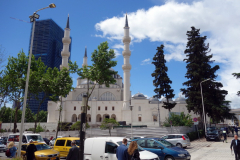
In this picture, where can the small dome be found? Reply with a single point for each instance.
(153, 99)
(180, 99)
(139, 96)
(165, 99)
(85, 82)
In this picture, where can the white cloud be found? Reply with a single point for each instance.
(168, 23)
(117, 53)
(146, 61)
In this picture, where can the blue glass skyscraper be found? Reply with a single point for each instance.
(47, 44)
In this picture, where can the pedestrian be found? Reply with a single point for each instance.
(236, 130)
(73, 152)
(235, 144)
(51, 138)
(232, 131)
(31, 149)
(133, 152)
(121, 152)
(12, 149)
(225, 135)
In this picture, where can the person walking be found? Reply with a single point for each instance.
(225, 135)
(12, 150)
(236, 130)
(31, 149)
(235, 144)
(121, 152)
(133, 152)
(51, 138)
(73, 152)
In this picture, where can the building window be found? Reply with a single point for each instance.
(139, 119)
(105, 108)
(107, 96)
(99, 108)
(113, 108)
(139, 108)
(74, 108)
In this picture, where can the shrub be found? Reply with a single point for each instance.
(39, 128)
(178, 120)
(194, 135)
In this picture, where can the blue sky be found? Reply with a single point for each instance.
(152, 23)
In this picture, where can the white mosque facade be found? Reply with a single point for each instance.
(113, 101)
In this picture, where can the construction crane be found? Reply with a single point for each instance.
(19, 20)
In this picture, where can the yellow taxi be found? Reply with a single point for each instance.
(44, 152)
(62, 145)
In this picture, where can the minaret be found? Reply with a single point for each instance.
(126, 67)
(66, 42)
(85, 58)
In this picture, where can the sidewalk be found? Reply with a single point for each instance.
(214, 151)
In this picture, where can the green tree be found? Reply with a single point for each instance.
(161, 80)
(43, 116)
(76, 125)
(100, 72)
(29, 115)
(108, 124)
(6, 114)
(178, 120)
(199, 68)
(237, 75)
(39, 128)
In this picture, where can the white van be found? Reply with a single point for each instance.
(25, 139)
(104, 148)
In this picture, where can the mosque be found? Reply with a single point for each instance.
(114, 101)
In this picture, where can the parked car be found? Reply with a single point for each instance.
(179, 140)
(51, 143)
(25, 139)
(137, 137)
(105, 148)
(63, 145)
(2, 147)
(213, 135)
(44, 152)
(4, 140)
(164, 149)
(46, 141)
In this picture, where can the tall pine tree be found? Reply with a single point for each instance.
(237, 75)
(199, 69)
(161, 80)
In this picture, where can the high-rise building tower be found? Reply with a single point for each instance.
(85, 58)
(47, 44)
(126, 67)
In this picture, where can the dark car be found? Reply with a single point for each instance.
(164, 149)
(46, 141)
(4, 140)
(213, 135)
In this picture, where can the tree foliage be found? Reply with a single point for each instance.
(199, 68)
(237, 75)
(108, 124)
(76, 126)
(161, 80)
(178, 120)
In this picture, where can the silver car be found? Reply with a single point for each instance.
(2, 146)
(180, 140)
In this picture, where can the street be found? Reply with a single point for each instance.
(201, 150)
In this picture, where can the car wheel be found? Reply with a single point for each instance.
(179, 145)
(169, 158)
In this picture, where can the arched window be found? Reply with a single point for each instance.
(79, 97)
(74, 118)
(89, 118)
(107, 96)
(113, 116)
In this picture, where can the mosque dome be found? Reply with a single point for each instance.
(85, 82)
(165, 99)
(139, 96)
(180, 100)
(153, 100)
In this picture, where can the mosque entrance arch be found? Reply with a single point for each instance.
(74, 118)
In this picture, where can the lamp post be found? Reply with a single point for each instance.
(203, 104)
(83, 127)
(32, 19)
(131, 107)
(159, 120)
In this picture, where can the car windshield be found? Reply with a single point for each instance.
(42, 147)
(139, 148)
(35, 138)
(1, 142)
(165, 143)
(212, 132)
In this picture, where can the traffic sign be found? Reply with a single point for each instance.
(195, 119)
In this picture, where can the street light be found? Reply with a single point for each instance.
(83, 127)
(203, 104)
(131, 107)
(32, 19)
